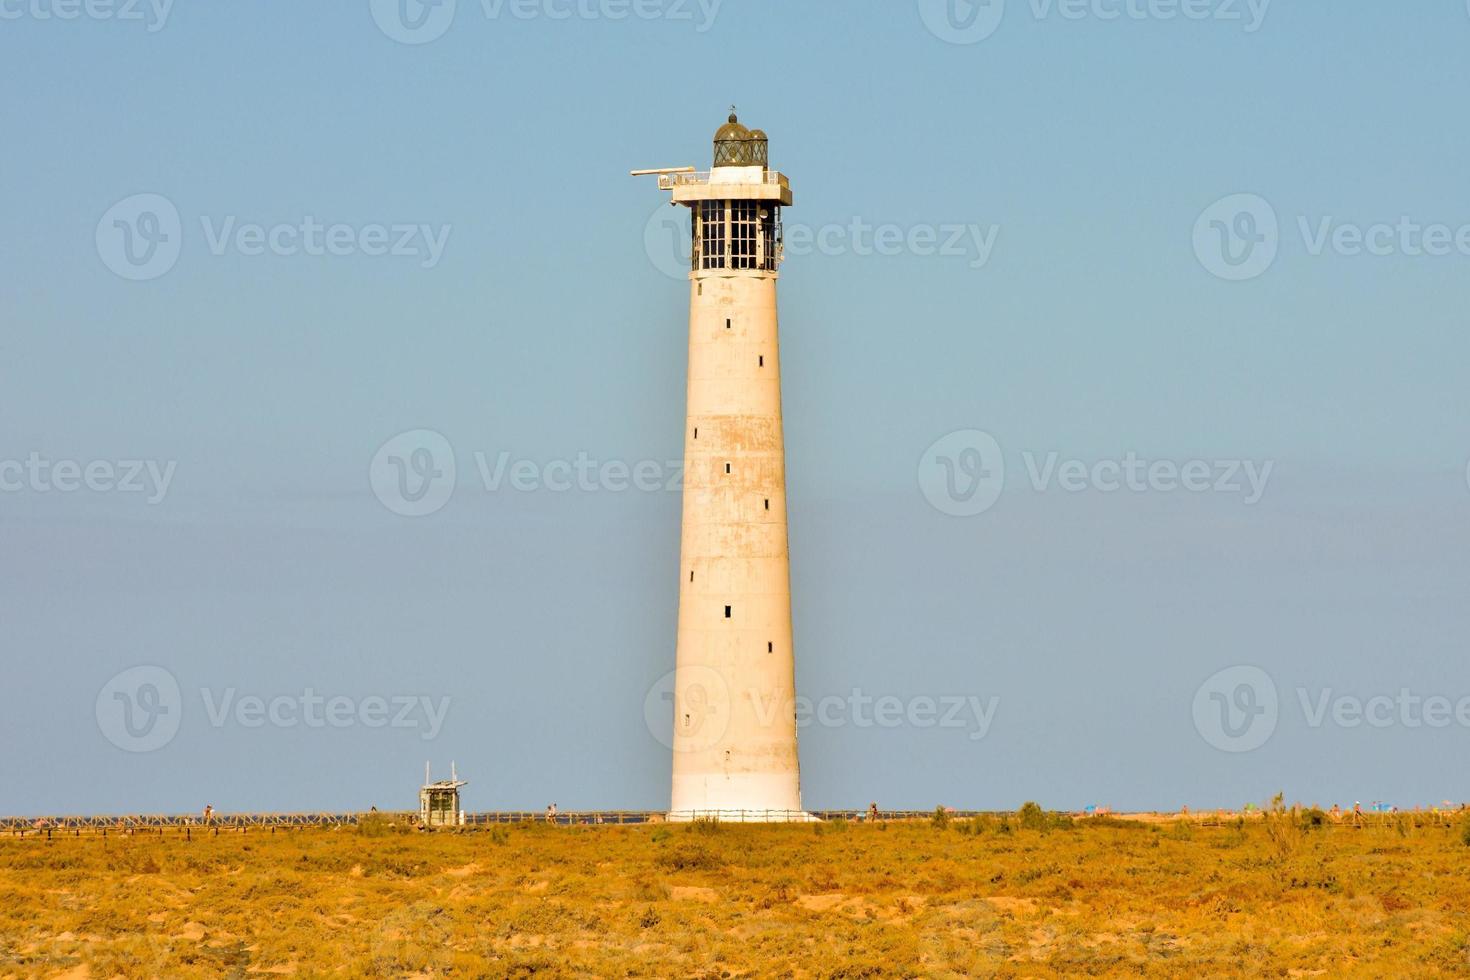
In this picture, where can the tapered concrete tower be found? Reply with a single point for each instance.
(735, 684)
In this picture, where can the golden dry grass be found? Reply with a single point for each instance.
(975, 898)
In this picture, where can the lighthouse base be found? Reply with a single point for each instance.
(743, 816)
(739, 797)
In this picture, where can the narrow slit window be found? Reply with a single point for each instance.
(696, 432)
(691, 575)
(770, 648)
(727, 612)
(763, 360)
(727, 323)
(768, 503)
(727, 467)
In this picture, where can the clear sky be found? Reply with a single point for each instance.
(1065, 267)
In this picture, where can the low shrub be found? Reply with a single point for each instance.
(373, 825)
(1031, 816)
(1283, 828)
(980, 823)
(689, 858)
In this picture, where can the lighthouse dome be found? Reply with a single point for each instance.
(732, 130)
(736, 146)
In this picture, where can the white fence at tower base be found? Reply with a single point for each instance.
(743, 816)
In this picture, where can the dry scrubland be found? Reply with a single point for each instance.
(1030, 895)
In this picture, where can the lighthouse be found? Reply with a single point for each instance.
(734, 735)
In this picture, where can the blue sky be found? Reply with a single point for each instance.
(530, 317)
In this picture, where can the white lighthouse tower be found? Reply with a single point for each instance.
(735, 684)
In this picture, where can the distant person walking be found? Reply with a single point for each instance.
(208, 813)
(551, 813)
(872, 813)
